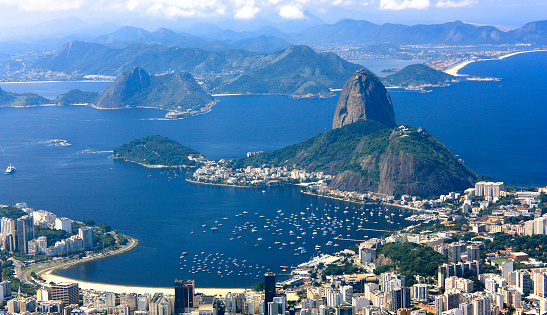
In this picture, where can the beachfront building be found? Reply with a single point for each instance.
(86, 234)
(184, 296)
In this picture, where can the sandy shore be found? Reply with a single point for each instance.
(454, 70)
(48, 277)
(225, 94)
(520, 52)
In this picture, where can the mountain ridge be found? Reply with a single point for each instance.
(135, 87)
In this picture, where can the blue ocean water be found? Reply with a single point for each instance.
(497, 128)
(377, 65)
(52, 89)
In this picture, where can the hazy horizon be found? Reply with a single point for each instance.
(23, 16)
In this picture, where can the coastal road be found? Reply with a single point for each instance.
(41, 268)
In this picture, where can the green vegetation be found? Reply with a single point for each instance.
(52, 235)
(259, 287)
(76, 97)
(412, 259)
(8, 273)
(11, 212)
(25, 99)
(174, 91)
(356, 154)
(330, 149)
(533, 245)
(345, 268)
(416, 75)
(155, 150)
(296, 70)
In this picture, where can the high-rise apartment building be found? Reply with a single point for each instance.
(269, 289)
(184, 296)
(24, 233)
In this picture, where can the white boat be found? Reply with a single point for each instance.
(10, 169)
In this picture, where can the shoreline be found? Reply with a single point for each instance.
(156, 166)
(362, 202)
(119, 288)
(454, 69)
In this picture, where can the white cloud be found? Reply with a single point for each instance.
(41, 5)
(455, 4)
(403, 4)
(246, 12)
(343, 3)
(291, 12)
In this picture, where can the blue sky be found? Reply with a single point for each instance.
(172, 12)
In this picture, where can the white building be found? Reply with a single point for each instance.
(64, 224)
(86, 234)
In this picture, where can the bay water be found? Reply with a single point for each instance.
(496, 127)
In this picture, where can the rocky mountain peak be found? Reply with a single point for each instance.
(363, 97)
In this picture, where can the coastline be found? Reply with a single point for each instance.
(118, 288)
(454, 70)
(215, 184)
(362, 202)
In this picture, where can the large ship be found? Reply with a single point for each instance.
(10, 169)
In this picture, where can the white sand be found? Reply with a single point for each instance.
(454, 70)
(48, 277)
(520, 52)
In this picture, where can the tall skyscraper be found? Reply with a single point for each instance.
(25, 233)
(269, 289)
(184, 296)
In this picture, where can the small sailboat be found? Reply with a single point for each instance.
(10, 169)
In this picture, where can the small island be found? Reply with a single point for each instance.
(156, 151)
(418, 76)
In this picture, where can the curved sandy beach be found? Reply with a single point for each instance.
(48, 277)
(454, 70)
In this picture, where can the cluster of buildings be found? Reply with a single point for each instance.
(254, 176)
(17, 235)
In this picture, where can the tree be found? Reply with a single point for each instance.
(260, 286)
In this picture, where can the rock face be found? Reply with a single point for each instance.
(173, 91)
(363, 97)
(119, 93)
(369, 156)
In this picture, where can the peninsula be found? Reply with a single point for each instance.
(156, 151)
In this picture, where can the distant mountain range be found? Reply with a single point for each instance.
(452, 33)
(272, 37)
(297, 71)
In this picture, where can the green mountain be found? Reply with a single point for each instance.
(155, 151)
(369, 156)
(76, 96)
(135, 87)
(417, 75)
(297, 70)
(10, 99)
